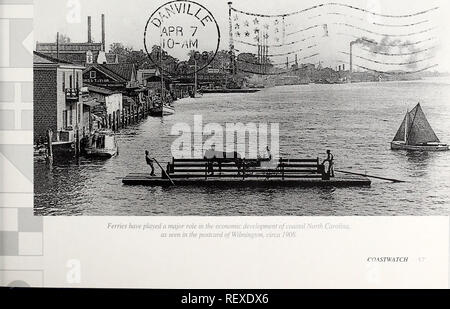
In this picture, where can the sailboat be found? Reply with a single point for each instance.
(416, 134)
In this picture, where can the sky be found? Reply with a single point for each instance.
(126, 20)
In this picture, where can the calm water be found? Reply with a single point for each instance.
(356, 121)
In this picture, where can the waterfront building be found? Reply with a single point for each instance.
(144, 74)
(118, 77)
(108, 103)
(212, 78)
(58, 103)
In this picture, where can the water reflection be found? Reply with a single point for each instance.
(419, 162)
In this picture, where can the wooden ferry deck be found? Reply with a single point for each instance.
(142, 179)
(246, 173)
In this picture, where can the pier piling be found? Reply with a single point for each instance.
(49, 158)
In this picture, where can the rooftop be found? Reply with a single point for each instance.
(125, 70)
(42, 59)
(100, 90)
(68, 47)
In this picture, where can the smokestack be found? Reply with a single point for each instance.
(57, 45)
(89, 30)
(351, 53)
(103, 33)
(343, 67)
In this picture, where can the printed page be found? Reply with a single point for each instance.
(216, 144)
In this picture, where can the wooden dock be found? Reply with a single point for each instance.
(142, 179)
(250, 90)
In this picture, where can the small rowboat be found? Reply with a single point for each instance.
(159, 111)
(103, 146)
(416, 134)
(168, 110)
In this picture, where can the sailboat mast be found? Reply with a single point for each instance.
(406, 127)
(412, 123)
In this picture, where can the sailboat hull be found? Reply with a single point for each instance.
(427, 147)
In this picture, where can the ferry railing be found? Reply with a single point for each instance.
(229, 168)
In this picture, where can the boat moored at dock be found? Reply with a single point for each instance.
(160, 111)
(168, 110)
(102, 144)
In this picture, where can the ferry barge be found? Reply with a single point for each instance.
(246, 173)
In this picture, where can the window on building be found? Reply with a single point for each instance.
(70, 81)
(65, 119)
(93, 74)
(89, 57)
(63, 81)
(77, 79)
(70, 116)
